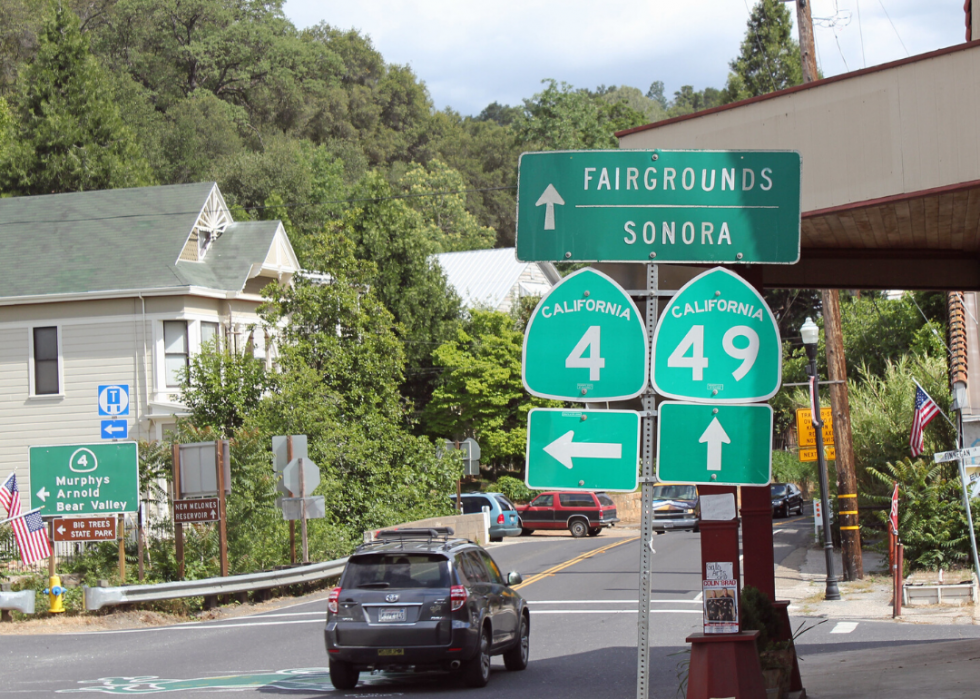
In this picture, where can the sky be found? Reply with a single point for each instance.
(470, 54)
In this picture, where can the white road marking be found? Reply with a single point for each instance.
(844, 627)
(197, 625)
(614, 601)
(700, 597)
(615, 611)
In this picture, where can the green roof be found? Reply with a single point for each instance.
(120, 240)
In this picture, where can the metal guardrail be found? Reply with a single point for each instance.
(98, 597)
(22, 601)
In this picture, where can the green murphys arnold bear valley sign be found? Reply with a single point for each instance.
(585, 342)
(717, 342)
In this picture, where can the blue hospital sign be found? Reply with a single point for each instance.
(114, 400)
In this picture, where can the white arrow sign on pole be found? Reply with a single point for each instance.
(550, 198)
(967, 453)
(563, 450)
(715, 436)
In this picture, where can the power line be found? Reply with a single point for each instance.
(289, 205)
(894, 27)
(864, 60)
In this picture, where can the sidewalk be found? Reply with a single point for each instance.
(894, 669)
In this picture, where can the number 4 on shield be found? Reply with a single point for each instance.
(594, 362)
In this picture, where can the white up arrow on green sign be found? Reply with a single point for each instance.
(717, 341)
(582, 449)
(585, 342)
(714, 444)
(662, 206)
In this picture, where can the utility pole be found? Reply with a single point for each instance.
(850, 533)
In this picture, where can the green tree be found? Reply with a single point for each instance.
(687, 100)
(201, 130)
(436, 192)
(69, 135)
(769, 59)
(341, 364)
(221, 387)
(564, 118)
(405, 278)
(480, 393)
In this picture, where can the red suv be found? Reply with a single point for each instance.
(579, 513)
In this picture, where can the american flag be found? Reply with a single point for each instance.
(925, 410)
(32, 537)
(814, 413)
(9, 497)
(893, 515)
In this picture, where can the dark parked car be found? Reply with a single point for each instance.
(786, 499)
(676, 506)
(420, 599)
(503, 514)
(579, 513)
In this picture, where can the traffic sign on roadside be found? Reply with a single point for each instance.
(85, 478)
(197, 510)
(718, 342)
(659, 206)
(585, 342)
(810, 453)
(582, 449)
(85, 529)
(114, 429)
(114, 400)
(714, 444)
(291, 475)
(806, 436)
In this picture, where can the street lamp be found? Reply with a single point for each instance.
(809, 332)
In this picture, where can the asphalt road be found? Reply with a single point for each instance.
(583, 636)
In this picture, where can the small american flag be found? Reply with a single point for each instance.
(32, 537)
(893, 515)
(9, 496)
(814, 413)
(925, 410)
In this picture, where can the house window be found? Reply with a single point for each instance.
(209, 333)
(46, 374)
(175, 351)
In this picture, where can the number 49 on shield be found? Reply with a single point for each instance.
(697, 362)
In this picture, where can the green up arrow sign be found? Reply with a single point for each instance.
(714, 444)
(717, 341)
(660, 206)
(582, 449)
(585, 342)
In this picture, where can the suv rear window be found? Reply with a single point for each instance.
(605, 500)
(505, 504)
(475, 505)
(576, 500)
(675, 492)
(395, 569)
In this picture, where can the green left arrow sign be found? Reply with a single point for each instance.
(714, 444)
(85, 479)
(582, 449)
(585, 342)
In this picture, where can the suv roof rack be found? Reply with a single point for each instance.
(416, 533)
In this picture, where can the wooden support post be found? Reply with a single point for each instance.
(122, 550)
(139, 541)
(302, 511)
(292, 523)
(850, 533)
(222, 531)
(178, 527)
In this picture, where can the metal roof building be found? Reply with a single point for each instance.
(495, 279)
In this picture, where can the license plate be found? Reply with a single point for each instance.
(391, 651)
(392, 615)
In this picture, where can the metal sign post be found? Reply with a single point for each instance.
(646, 506)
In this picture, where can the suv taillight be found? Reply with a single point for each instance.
(332, 600)
(457, 595)
(500, 518)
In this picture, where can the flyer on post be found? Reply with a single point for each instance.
(720, 599)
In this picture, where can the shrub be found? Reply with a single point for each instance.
(513, 489)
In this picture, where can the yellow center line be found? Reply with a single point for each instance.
(578, 559)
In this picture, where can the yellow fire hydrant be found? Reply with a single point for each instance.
(54, 591)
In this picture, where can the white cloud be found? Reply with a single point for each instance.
(471, 54)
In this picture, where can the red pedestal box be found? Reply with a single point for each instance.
(725, 665)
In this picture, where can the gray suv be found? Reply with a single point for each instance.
(419, 599)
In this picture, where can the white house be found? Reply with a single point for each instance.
(120, 287)
(495, 278)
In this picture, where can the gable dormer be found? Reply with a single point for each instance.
(211, 222)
